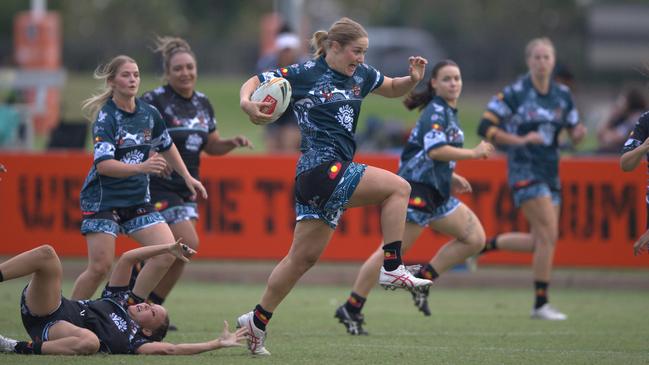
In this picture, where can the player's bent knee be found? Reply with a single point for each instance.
(87, 344)
(99, 269)
(403, 187)
(193, 243)
(46, 252)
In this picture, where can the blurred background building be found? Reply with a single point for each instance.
(604, 43)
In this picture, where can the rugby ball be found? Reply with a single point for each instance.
(276, 91)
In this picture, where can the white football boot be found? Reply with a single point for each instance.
(7, 344)
(256, 337)
(401, 278)
(548, 312)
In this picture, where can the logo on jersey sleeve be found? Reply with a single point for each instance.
(104, 149)
(101, 116)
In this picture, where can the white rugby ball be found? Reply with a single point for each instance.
(276, 91)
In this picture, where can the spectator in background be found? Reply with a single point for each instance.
(2, 169)
(9, 119)
(615, 129)
(283, 136)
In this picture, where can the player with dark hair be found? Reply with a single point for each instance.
(59, 326)
(428, 164)
(189, 118)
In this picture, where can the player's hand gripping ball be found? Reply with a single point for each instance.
(276, 91)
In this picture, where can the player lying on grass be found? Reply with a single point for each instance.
(59, 326)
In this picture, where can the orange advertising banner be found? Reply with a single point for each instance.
(249, 213)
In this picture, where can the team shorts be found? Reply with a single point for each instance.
(424, 217)
(324, 191)
(173, 206)
(38, 327)
(526, 190)
(121, 220)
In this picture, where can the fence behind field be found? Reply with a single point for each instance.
(249, 214)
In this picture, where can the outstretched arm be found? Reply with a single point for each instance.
(450, 153)
(122, 271)
(226, 339)
(217, 146)
(400, 86)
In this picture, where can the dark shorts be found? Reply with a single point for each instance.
(38, 327)
(174, 207)
(324, 191)
(426, 204)
(121, 220)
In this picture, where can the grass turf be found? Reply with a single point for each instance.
(468, 326)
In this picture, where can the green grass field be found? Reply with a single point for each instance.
(468, 326)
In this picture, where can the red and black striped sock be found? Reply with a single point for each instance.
(261, 317)
(355, 303)
(541, 293)
(28, 347)
(155, 298)
(134, 299)
(392, 255)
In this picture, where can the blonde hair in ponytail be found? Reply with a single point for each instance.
(169, 47)
(105, 72)
(343, 31)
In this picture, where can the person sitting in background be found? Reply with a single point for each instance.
(615, 129)
(2, 169)
(282, 136)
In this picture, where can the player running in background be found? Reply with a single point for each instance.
(525, 119)
(428, 164)
(115, 195)
(327, 96)
(189, 118)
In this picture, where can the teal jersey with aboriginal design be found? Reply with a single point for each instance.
(438, 126)
(126, 137)
(521, 109)
(327, 105)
